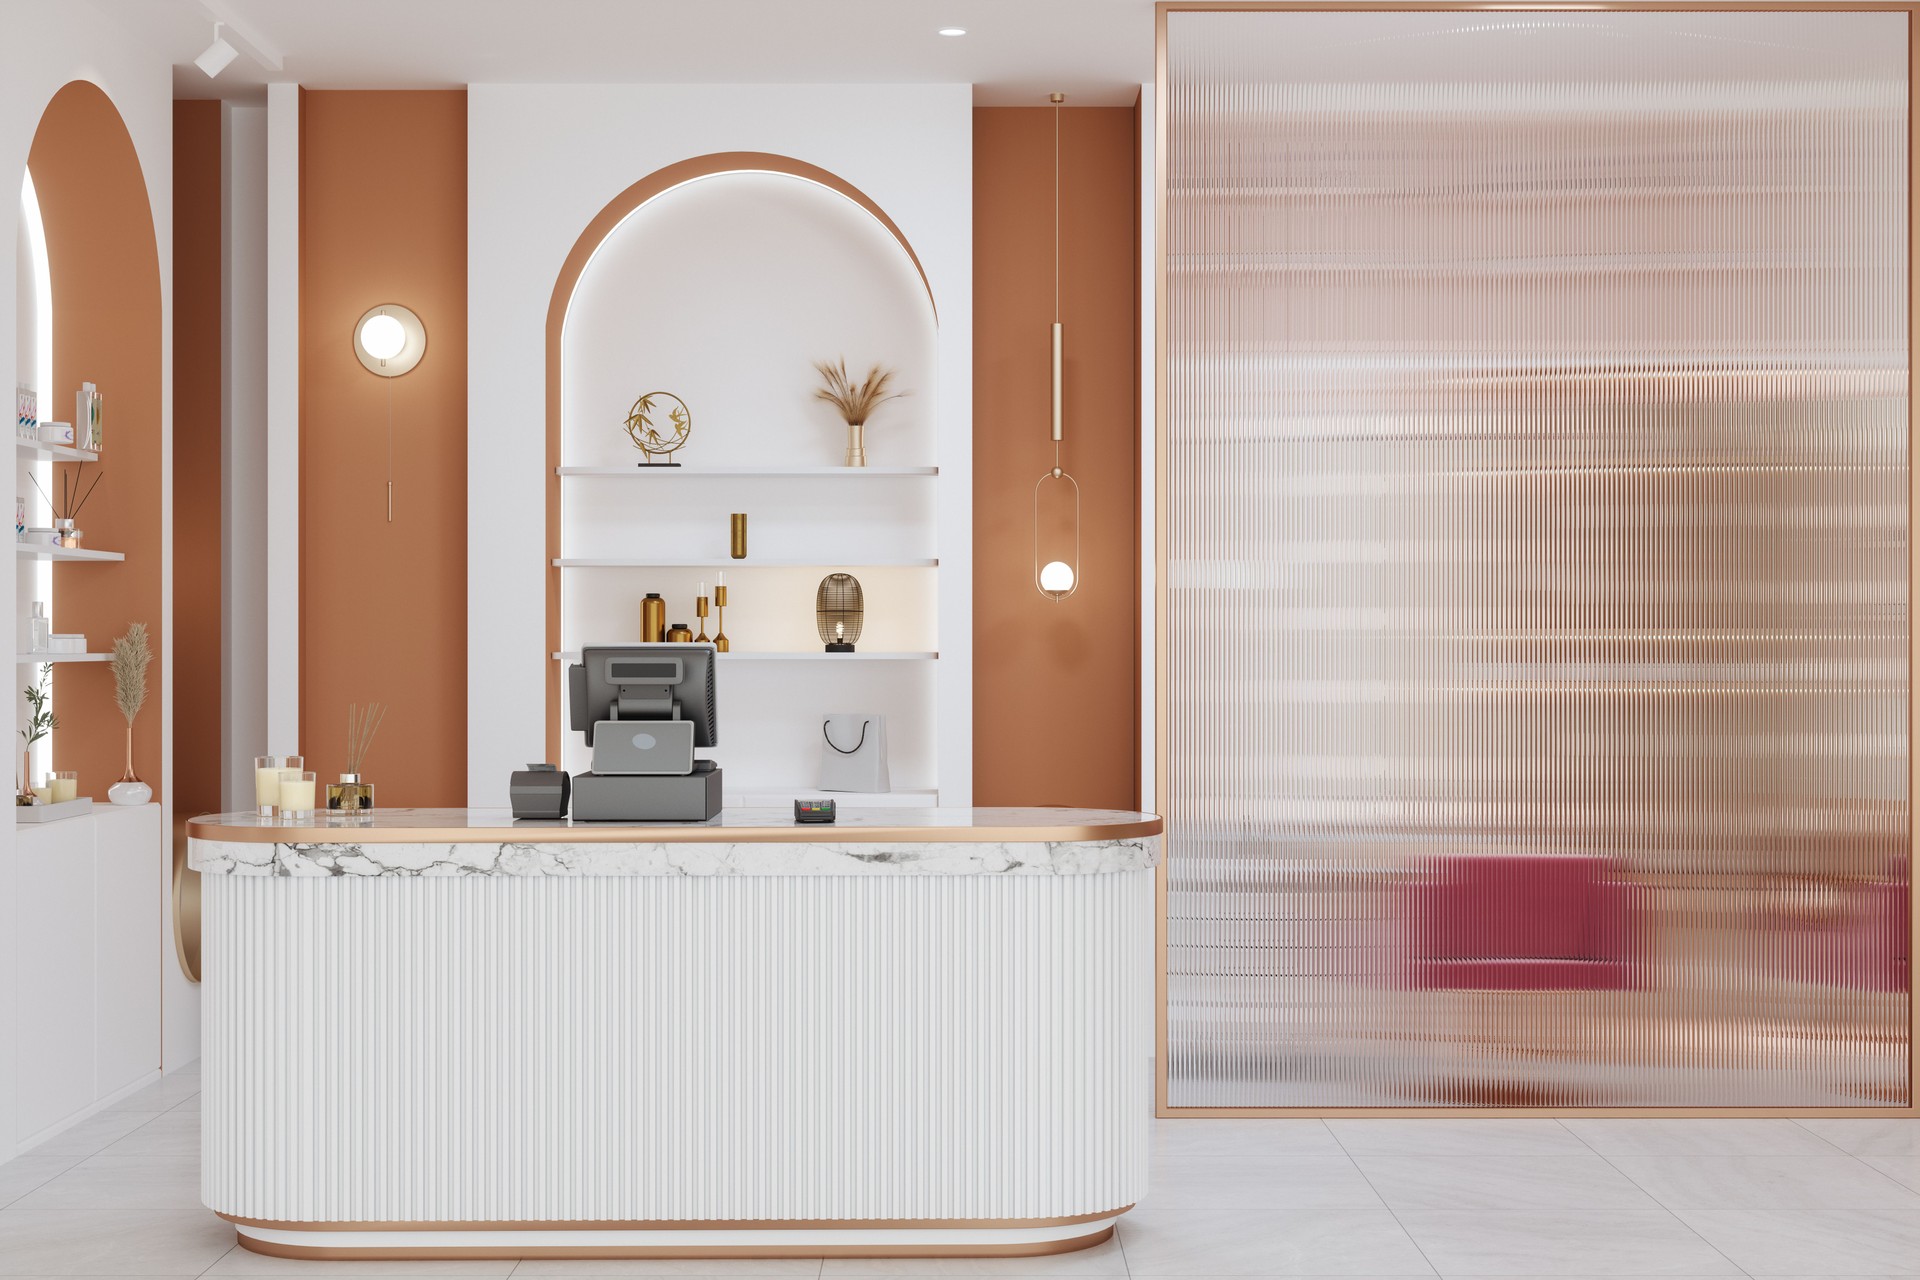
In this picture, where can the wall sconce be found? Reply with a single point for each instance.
(1056, 565)
(389, 340)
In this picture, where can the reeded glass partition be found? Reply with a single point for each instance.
(1536, 559)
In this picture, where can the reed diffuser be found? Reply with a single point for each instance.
(67, 510)
(352, 794)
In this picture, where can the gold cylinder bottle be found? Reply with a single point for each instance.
(653, 618)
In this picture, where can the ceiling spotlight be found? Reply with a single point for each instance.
(953, 31)
(219, 55)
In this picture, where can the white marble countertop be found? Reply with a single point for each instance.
(430, 842)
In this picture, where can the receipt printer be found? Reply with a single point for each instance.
(540, 791)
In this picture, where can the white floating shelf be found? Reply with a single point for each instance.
(37, 658)
(790, 473)
(58, 452)
(821, 656)
(574, 562)
(41, 551)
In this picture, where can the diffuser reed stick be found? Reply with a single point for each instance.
(362, 724)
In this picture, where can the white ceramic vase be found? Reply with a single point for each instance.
(130, 793)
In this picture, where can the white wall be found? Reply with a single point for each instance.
(543, 160)
(43, 45)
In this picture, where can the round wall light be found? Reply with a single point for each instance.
(389, 340)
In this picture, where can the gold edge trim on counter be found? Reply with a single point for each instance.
(627, 834)
(801, 1250)
(695, 1224)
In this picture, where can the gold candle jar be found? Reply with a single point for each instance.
(739, 547)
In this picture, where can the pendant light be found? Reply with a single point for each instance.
(1056, 568)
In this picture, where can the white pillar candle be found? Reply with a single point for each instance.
(63, 789)
(296, 795)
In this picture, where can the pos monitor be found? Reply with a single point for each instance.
(644, 708)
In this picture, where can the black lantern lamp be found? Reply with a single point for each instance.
(838, 608)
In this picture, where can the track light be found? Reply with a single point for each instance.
(219, 55)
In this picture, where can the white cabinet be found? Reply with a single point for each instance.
(130, 883)
(87, 920)
(55, 968)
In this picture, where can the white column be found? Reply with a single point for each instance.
(243, 448)
(1149, 354)
(283, 418)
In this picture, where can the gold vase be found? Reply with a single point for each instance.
(856, 444)
(129, 775)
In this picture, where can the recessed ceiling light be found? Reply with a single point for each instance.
(953, 31)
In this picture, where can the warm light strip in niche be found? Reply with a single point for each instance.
(42, 569)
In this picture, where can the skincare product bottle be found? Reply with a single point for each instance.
(679, 633)
(42, 633)
(653, 618)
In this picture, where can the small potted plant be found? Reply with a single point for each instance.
(131, 655)
(856, 401)
(40, 723)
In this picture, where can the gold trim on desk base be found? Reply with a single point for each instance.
(955, 1245)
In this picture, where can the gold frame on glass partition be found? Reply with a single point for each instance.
(1161, 629)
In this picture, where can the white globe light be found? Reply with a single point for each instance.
(383, 337)
(1056, 578)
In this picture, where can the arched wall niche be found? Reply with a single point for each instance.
(720, 279)
(103, 258)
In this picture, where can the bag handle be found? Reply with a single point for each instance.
(836, 746)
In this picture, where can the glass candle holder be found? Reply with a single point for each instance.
(63, 786)
(266, 785)
(296, 794)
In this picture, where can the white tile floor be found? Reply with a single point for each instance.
(119, 1196)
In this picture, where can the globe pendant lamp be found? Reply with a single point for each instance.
(1056, 495)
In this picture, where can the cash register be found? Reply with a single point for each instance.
(645, 709)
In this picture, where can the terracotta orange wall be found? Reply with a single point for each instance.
(1055, 685)
(196, 456)
(383, 606)
(107, 323)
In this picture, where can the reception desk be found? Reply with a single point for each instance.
(442, 1033)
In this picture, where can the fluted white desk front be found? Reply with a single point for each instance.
(447, 1034)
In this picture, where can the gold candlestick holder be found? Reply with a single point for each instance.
(720, 623)
(700, 610)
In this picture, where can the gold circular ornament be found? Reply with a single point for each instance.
(656, 438)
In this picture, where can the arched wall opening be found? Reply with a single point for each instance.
(104, 268)
(721, 279)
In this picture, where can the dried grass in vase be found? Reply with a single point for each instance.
(856, 401)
